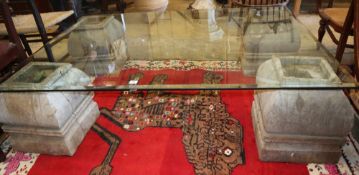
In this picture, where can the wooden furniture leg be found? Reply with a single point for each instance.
(296, 8)
(345, 34)
(42, 30)
(356, 38)
(321, 31)
(10, 27)
(104, 6)
(26, 44)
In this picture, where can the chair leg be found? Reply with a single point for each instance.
(26, 44)
(42, 30)
(321, 31)
(121, 6)
(349, 20)
(356, 39)
(104, 6)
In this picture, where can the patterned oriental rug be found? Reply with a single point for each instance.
(177, 132)
(162, 150)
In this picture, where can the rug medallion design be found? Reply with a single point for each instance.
(211, 137)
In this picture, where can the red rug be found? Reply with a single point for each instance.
(154, 151)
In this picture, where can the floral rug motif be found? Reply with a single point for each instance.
(16, 163)
(348, 164)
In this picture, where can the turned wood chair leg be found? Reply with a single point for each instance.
(25, 44)
(104, 6)
(42, 30)
(121, 5)
(323, 24)
(345, 34)
(356, 39)
(296, 8)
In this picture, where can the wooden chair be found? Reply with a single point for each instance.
(258, 3)
(12, 54)
(346, 74)
(29, 23)
(273, 10)
(334, 19)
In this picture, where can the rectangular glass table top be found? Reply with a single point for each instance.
(242, 48)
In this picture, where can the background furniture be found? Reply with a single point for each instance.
(31, 25)
(335, 19)
(347, 75)
(296, 7)
(356, 37)
(355, 94)
(13, 52)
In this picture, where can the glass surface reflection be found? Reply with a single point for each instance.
(235, 42)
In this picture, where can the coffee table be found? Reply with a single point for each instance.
(171, 67)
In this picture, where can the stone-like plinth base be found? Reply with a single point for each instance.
(293, 148)
(300, 125)
(54, 141)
